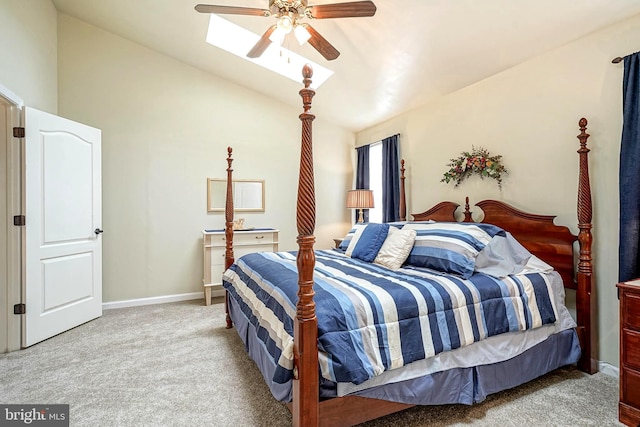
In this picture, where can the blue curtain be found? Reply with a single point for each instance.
(629, 264)
(362, 175)
(390, 179)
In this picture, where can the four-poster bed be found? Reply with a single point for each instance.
(293, 363)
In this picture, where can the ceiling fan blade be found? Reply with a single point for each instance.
(262, 44)
(321, 44)
(342, 10)
(232, 10)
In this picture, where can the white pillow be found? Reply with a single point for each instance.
(396, 248)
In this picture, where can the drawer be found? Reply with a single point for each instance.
(631, 311)
(215, 239)
(630, 342)
(245, 238)
(630, 387)
(242, 238)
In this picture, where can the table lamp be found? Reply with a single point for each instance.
(360, 199)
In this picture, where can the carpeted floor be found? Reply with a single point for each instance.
(176, 365)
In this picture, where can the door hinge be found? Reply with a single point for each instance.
(19, 309)
(19, 220)
(18, 132)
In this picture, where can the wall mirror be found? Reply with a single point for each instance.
(248, 195)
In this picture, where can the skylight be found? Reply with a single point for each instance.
(237, 40)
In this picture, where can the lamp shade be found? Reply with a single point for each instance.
(360, 199)
(302, 34)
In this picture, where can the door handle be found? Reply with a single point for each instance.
(98, 231)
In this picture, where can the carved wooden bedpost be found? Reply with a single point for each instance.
(305, 353)
(228, 228)
(586, 306)
(403, 197)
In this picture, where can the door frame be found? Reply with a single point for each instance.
(12, 106)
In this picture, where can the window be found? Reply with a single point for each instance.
(375, 180)
(378, 169)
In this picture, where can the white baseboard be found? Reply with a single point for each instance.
(159, 300)
(608, 369)
(152, 300)
(217, 293)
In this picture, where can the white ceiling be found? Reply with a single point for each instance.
(410, 52)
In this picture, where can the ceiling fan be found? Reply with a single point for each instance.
(289, 14)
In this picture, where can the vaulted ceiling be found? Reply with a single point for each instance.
(409, 53)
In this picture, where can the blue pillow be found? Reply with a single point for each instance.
(450, 247)
(369, 242)
(344, 244)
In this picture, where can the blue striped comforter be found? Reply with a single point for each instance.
(371, 319)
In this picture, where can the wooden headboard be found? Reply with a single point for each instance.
(550, 242)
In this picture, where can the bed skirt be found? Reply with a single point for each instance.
(458, 385)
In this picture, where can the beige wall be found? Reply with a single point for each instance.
(529, 114)
(165, 128)
(28, 52)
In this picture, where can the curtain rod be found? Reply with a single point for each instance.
(618, 59)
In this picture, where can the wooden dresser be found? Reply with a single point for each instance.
(629, 405)
(244, 242)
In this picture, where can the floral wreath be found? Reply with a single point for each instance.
(476, 162)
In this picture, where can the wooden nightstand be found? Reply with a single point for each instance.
(629, 404)
(337, 241)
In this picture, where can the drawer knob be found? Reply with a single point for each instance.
(259, 237)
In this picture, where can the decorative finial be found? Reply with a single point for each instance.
(582, 123)
(307, 73)
(307, 93)
(583, 135)
(229, 158)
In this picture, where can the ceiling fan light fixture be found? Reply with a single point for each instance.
(277, 36)
(301, 33)
(285, 24)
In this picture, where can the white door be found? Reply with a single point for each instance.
(62, 240)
